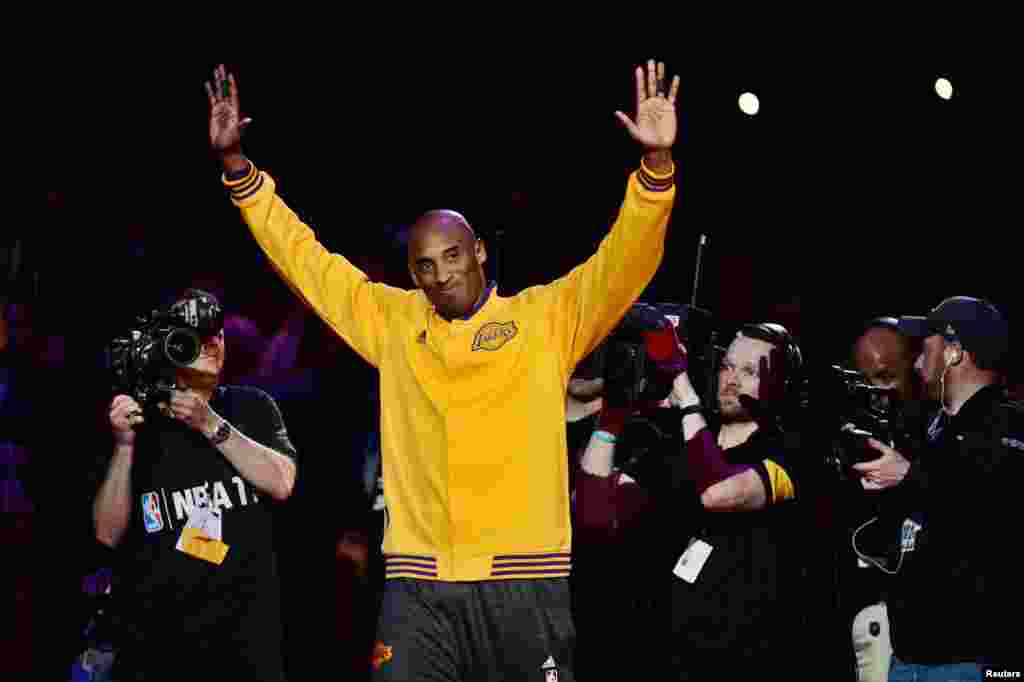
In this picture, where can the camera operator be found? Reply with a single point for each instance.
(737, 582)
(955, 504)
(185, 499)
(885, 357)
(729, 608)
(615, 582)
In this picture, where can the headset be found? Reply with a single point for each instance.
(954, 358)
(884, 322)
(778, 335)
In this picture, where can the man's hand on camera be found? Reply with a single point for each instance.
(585, 390)
(885, 472)
(578, 410)
(683, 393)
(192, 410)
(125, 414)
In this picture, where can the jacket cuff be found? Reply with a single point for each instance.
(243, 185)
(655, 182)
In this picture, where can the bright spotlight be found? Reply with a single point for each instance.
(749, 104)
(943, 88)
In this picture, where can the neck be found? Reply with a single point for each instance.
(479, 300)
(472, 310)
(958, 393)
(735, 433)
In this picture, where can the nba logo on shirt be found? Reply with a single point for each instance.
(151, 512)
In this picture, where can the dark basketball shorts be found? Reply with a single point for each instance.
(510, 630)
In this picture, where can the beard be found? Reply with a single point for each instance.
(731, 409)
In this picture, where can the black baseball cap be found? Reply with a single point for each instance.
(975, 323)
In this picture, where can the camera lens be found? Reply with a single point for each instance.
(182, 346)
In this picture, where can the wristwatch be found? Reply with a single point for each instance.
(696, 408)
(222, 433)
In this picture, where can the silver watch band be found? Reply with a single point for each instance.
(222, 433)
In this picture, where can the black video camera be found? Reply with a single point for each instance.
(622, 359)
(144, 360)
(627, 368)
(858, 411)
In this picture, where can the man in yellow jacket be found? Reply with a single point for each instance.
(475, 468)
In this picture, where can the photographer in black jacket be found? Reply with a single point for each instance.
(885, 357)
(957, 600)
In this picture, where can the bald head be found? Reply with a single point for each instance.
(446, 261)
(442, 220)
(886, 358)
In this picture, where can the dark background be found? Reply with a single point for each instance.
(855, 191)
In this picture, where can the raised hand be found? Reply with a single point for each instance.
(772, 373)
(655, 125)
(771, 387)
(226, 123)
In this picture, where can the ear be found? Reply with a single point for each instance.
(481, 252)
(957, 354)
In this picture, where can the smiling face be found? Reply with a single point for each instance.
(446, 262)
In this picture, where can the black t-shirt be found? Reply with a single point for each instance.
(744, 608)
(178, 612)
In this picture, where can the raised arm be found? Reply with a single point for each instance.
(593, 297)
(340, 293)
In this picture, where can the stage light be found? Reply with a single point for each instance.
(943, 88)
(749, 103)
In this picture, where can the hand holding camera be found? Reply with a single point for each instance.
(125, 415)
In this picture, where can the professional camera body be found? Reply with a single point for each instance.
(624, 363)
(145, 359)
(858, 410)
(622, 358)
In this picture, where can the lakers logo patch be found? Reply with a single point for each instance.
(494, 335)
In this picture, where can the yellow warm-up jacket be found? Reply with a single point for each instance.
(473, 436)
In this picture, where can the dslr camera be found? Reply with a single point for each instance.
(143, 361)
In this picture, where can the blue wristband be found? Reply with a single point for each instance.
(605, 436)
